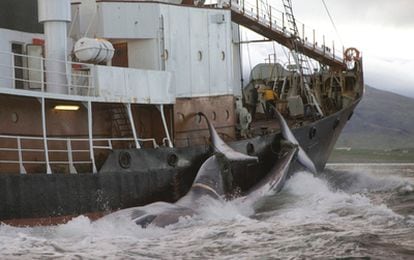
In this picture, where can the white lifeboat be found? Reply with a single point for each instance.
(94, 50)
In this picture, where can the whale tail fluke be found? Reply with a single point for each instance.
(302, 157)
(221, 147)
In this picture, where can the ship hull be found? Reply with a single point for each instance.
(137, 177)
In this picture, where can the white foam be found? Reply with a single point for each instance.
(222, 229)
(218, 210)
(407, 188)
(316, 202)
(377, 177)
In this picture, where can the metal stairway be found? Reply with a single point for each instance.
(121, 121)
(287, 4)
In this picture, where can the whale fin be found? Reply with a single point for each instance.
(303, 157)
(214, 180)
(273, 182)
(144, 221)
(221, 147)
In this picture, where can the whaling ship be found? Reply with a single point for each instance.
(100, 100)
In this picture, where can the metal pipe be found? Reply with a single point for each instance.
(90, 133)
(72, 168)
(164, 123)
(270, 16)
(55, 14)
(42, 76)
(323, 46)
(19, 148)
(314, 39)
(303, 32)
(131, 120)
(13, 70)
(46, 150)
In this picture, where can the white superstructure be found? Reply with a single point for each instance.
(135, 57)
(191, 48)
(194, 44)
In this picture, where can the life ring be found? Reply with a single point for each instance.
(172, 160)
(352, 54)
(250, 148)
(124, 160)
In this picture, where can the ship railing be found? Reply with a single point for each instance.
(20, 71)
(277, 20)
(15, 149)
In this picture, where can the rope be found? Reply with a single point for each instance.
(332, 21)
(91, 22)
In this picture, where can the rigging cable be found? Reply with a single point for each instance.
(332, 21)
(240, 61)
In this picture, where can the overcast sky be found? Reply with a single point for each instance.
(382, 29)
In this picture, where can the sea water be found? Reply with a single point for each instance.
(348, 211)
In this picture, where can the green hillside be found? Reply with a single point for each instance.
(382, 121)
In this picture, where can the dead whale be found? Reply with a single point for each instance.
(220, 146)
(287, 134)
(213, 180)
(275, 179)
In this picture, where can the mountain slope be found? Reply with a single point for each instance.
(383, 120)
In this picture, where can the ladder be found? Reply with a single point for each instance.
(301, 61)
(284, 91)
(121, 121)
(287, 4)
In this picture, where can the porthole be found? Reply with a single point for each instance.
(336, 123)
(250, 149)
(180, 117)
(198, 118)
(223, 55)
(172, 160)
(124, 160)
(14, 117)
(200, 55)
(213, 116)
(227, 115)
(312, 132)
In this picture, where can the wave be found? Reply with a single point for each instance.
(315, 200)
(311, 217)
(366, 179)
